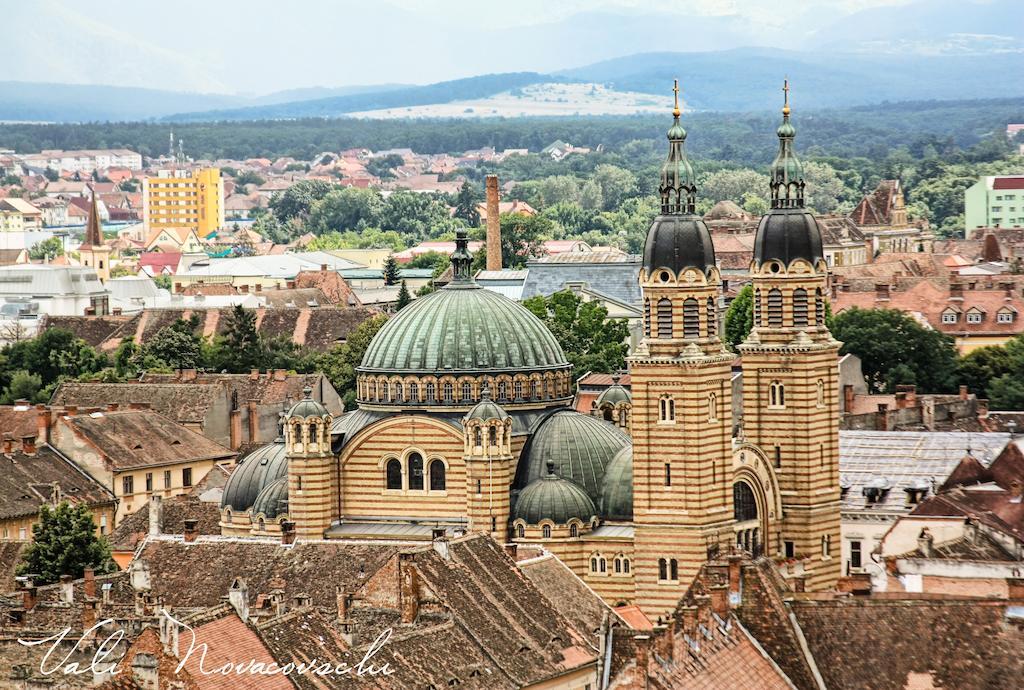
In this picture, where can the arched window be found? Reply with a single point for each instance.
(502, 390)
(712, 316)
(467, 391)
(314, 433)
(662, 569)
(712, 407)
(574, 530)
(819, 307)
(757, 307)
(826, 545)
(448, 392)
(691, 319)
(647, 317)
(398, 392)
(545, 531)
(533, 389)
(262, 525)
(673, 569)
(776, 394)
(394, 474)
(414, 393)
(431, 392)
(593, 564)
(478, 437)
(492, 436)
(821, 393)
(437, 476)
(774, 307)
(520, 531)
(667, 409)
(617, 565)
(415, 472)
(602, 564)
(625, 566)
(608, 413)
(517, 390)
(664, 318)
(799, 307)
(386, 391)
(744, 506)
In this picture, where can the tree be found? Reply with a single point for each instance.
(616, 184)
(46, 250)
(730, 185)
(981, 366)
(349, 208)
(173, 347)
(53, 354)
(391, 275)
(381, 167)
(1007, 392)
(522, 236)
(739, 318)
(340, 362)
(885, 339)
(403, 298)
(248, 177)
(824, 191)
(590, 340)
(298, 200)
(23, 386)
(241, 349)
(591, 196)
(64, 542)
(465, 205)
(755, 204)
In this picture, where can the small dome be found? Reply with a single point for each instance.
(581, 446)
(273, 500)
(553, 498)
(614, 394)
(617, 488)
(677, 242)
(785, 234)
(254, 472)
(486, 409)
(307, 407)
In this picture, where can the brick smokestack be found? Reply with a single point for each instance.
(493, 225)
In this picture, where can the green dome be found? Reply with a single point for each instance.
(486, 409)
(617, 487)
(307, 407)
(581, 446)
(254, 472)
(273, 500)
(463, 328)
(553, 498)
(613, 395)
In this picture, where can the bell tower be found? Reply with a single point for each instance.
(311, 486)
(489, 466)
(790, 372)
(93, 252)
(681, 416)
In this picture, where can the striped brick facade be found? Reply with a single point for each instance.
(490, 470)
(311, 477)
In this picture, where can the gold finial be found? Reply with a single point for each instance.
(785, 92)
(675, 90)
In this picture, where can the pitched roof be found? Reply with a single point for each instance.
(573, 598)
(615, 278)
(1008, 183)
(876, 208)
(183, 403)
(44, 478)
(134, 527)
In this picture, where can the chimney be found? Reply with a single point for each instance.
(956, 290)
(253, 420)
(720, 600)
(963, 392)
(238, 597)
(287, 532)
(343, 600)
(735, 563)
(848, 398)
(235, 429)
(8, 444)
(116, 311)
(883, 417)
(439, 542)
(188, 375)
(43, 422)
(408, 589)
(67, 589)
(112, 407)
(28, 596)
(156, 515)
(89, 618)
(28, 445)
(906, 396)
(971, 529)
(89, 583)
(869, 251)
(666, 641)
(323, 268)
(925, 543)
(138, 575)
(280, 374)
(70, 410)
(493, 225)
(1016, 491)
(643, 655)
(882, 291)
(511, 550)
(191, 529)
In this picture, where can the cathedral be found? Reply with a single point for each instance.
(464, 420)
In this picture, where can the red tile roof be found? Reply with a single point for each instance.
(1008, 183)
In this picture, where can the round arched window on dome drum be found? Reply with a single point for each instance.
(437, 478)
(647, 317)
(799, 307)
(712, 315)
(431, 392)
(775, 307)
(691, 319)
(415, 461)
(398, 392)
(393, 471)
(449, 393)
(819, 307)
(467, 391)
(664, 318)
(744, 505)
(414, 393)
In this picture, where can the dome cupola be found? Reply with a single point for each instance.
(617, 487)
(553, 498)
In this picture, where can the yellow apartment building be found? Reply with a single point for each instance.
(183, 199)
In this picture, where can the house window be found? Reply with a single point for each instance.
(103, 525)
(662, 569)
(776, 394)
(492, 436)
(673, 569)
(974, 317)
(186, 476)
(778, 456)
(167, 479)
(533, 389)
(149, 482)
(774, 307)
(819, 307)
(415, 461)
(664, 318)
(546, 531)
(949, 317)
(128, 485)
(757, 307)
(691, 319)
(394, 474)
(667, 409)
(517, 389)
(502, 391)
(1004, 317)
(799, 307)
(789, 549)
(602, 564)
(744, 505)
(668, 474)
(437, 478)
(855, 554)
(398, 392)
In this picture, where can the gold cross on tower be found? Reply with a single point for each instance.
(785, 92)
(675, 90)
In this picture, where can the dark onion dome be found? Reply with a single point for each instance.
(553, 498)
(581, 446)
(254, 472)
(617, 488)
(788, 231)
(307, 407)
(486, 409)
(678, 238)
(273, 500)
(614, 394)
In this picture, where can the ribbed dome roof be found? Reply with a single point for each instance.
(613, 395)
(273, 500)
(553, 498)
(463, 328)
(581, 447)
(617, 487)
(307, 407)
(255, 471)
(676, 242)
(486, 409)
(785, 234)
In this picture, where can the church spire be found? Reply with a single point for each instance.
(678, 187)
(93, 227)
(787, 175)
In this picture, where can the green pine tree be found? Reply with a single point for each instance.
(391, 275)
(403, 298)
(242, 347)
(65, 543)
(465, 205)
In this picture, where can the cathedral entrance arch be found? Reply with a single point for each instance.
(757, 506)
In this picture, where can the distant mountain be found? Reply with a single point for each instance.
(442, 92)
(316, 92)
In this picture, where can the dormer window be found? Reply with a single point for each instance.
(950, 316)
(975, 316)
(1004, 316)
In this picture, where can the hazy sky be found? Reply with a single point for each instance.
(259, 46)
